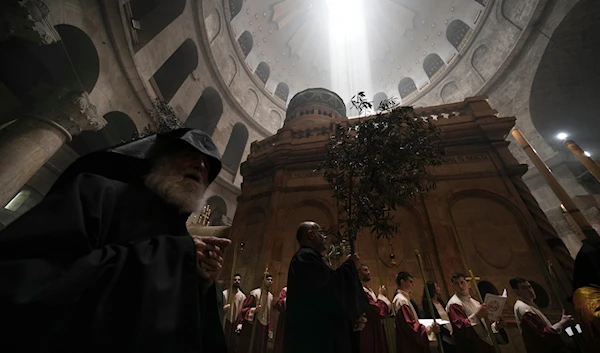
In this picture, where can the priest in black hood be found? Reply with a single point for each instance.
(105, 264)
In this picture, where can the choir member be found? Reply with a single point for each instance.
(372, 337)
(411, 335)
(254, 320)
(539, 335)
(439, 312)
(233, 307)
(466, 316)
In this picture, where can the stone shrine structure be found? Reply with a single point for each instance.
(480, 200)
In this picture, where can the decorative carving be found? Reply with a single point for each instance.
(306, 174)
(469, 158)
(445, 111)
(72, 113)
(29, 20)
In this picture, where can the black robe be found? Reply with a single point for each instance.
(322, 305)
(103, 266)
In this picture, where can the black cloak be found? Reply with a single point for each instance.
(102, 264)
(322, 305)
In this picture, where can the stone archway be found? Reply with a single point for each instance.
(564, 92)
(218, 210)
(31, 72)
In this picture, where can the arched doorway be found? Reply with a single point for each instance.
(218, 210)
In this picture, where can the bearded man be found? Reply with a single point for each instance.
(373, 338)
(104, 263)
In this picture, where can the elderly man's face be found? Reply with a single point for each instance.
(180, 178)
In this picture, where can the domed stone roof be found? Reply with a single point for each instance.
(316, 101)
(396, 48)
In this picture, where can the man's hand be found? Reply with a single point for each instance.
(270, 335)
(209, 255)
(383, 291)
(435, 327)
(238, 328)
(482, 311)
(226, 307)
(359, 324)
(566, 320)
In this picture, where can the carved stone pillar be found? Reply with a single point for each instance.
(29, 142)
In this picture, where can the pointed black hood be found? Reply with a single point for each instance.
(130, 161)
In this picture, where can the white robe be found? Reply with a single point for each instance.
(470, 306)
(231, 315)
(521, 308)
(264, 313)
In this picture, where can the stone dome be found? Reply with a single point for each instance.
(316, 102)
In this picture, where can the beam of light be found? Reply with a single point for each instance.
(349, 63)
(562, 136)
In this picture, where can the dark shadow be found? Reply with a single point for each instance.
(235, 148)
(176, 69)
(207, 112)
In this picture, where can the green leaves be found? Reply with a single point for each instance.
(376, 163)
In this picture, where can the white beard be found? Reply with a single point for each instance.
(174, 188)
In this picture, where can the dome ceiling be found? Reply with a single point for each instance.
(397, 47)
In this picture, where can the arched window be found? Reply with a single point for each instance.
(218, 209)
(245, 41)
(150, 17)
(377, 99)
(235, 6)
(432, 64)
(456, 33)
(119, 129)
(406, 87)
(282, 91)
(207, 112)
(176, 69)
(235, 148)
(263, 72)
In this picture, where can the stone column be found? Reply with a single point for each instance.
(30, 141)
